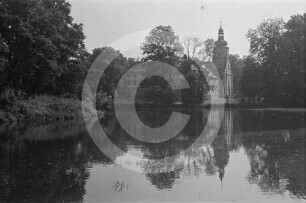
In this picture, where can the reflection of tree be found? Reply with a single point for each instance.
(276, 164)
(120, 186)
(221, 154)
(50, 163)
(48, 167)
(201, 158)
(163, 180)
(176, 145)
(257, 120)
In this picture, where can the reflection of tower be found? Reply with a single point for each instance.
(222, 142)
(221, 59)
(212, 125)
(221, 154)
(228, 126)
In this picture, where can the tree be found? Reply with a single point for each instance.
(198, 50)
(236, 67)
(279, 49)
(192, 46)
(207, 50)
(162, 45)
(264, 39)
(251, 85)
(45, 45)
(294, 70)
(114, 71)
(3, 51)
(198, 85)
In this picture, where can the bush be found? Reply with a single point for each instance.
(3, 118)
(104, 102)
(10, 96)
(43, 108)
(50, 108)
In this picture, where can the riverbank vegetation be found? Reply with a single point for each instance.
(17, 107)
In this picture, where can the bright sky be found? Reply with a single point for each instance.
(123, 24)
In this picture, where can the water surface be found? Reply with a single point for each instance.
(257, 155)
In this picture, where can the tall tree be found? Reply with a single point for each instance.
(294, 45)
(264, 47)
(206, 52)
(194, 95)
(114, 71)
(45, 45)
(236, 67)
(192, 46)
(279, 50)
(162, 45)
(251, 84)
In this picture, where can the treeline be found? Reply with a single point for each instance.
(274, 72)
(42, 52)
(162, 44)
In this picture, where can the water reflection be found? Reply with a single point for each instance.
(58, 161)
(46, 163)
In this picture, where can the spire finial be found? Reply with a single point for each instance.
(221, 32)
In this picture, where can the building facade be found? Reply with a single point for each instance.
(222, 62)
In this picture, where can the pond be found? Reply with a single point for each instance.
(256, 155)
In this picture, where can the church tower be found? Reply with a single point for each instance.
(221, 60)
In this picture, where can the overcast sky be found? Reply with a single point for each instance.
(124, 23)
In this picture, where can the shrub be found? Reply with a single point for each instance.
(50, 108)
(10, 96)
(104, 102)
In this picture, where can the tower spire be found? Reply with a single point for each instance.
(221, 32)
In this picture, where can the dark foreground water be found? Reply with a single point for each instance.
(257, 155)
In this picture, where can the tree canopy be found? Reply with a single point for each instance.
(278, 51)
(41, 47)
(162, 45)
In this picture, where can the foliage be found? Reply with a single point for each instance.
(154, 90)
(265, 38)
(278, 49)
(251, 79)
(236, 67)
(162, 45)
(196, 49)
(207, 50)
(3, 51)
(104, 102)
(197, 82)
(192, 46)
(41, 48)
(114, 71)
(42, 108)
(10, 96)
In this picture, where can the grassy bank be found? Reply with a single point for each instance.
(41, 108)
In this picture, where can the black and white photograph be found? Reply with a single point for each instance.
(152, 101)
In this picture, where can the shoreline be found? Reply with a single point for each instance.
(45, 109)
(51, 108)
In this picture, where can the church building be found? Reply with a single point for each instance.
(222, 62)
